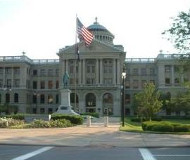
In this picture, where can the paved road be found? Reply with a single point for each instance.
(21, 152)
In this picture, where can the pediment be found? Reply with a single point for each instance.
(95, 47)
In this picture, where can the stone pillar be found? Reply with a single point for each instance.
(114, 71)
(84, 71)
(101, 72)
(118, 72)
(79, 73)
(97, 72)
(161, 75)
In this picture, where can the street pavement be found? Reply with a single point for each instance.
(95, 135)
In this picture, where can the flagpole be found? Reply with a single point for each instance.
(76, 48)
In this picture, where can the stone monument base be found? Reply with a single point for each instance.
(65, 107)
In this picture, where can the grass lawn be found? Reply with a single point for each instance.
(136, 126)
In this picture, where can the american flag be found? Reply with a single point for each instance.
(84, 33)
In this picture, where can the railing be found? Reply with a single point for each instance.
(140, 60)
(26, 59)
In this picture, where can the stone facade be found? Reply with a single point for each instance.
(94, 80)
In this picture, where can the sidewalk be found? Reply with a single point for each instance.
(96, 135)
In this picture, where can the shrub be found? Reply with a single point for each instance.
(181, 128)
(60, 123)
(165, 127)
(40, 124)
(8, 122)
(74, 119)
(91, 114)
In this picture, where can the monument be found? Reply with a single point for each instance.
(65, 107)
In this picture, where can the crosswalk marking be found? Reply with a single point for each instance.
(31, 154)
(146, 154)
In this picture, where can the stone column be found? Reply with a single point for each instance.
(101, 72)
(84, 71)
(114, 71)
(79, 73)
(118, 72)
(161, 75)
(97, 72)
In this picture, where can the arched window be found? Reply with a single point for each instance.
(90, 102)
(16, 97)
(107, 104)
(7, 98)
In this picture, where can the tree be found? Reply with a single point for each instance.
(179, 33)
(148, 101)
(181, 103)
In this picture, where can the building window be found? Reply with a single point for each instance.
(34, 84)
(16, 82)
(135, 84)
(8, 70)
(0, 98)
(16, 70)
(42, 72)
(167, 81)
(50, 72)
(152, 71)
(16, 97)
(50, 84)
(42, 98)
(108, 66)
(135, 71)
(35, 72)
(34, 99)
(7, 98)
(167, 69)
(57, 99)
(50, 110)
(143, 71)
(127, 98)
(57, 72)
(50, 99)
(127, 84)
(176, 81)
(42, 84)
(9, 83)
(57, 84)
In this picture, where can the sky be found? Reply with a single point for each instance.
(42, 27)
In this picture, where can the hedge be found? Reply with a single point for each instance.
(74, 119)
(165, 126)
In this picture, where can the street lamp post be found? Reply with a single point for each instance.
(123, 99)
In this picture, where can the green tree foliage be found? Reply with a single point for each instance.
(179, 33)
(148, 101)
(181, 103)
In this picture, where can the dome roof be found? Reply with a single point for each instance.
(100, 32)
(97, 27)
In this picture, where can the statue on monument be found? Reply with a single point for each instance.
(65, 79)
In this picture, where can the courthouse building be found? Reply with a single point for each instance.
(94, 80)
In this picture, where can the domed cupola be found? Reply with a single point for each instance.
(101, 33)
